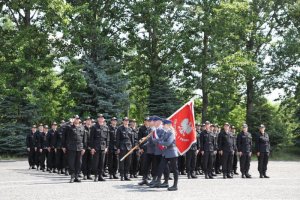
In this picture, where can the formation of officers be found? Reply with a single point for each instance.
(95, 147)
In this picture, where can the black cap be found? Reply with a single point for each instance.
(207, 122)
(245, 126)
(100, 115)
(33, 126)
(46, 126)
(198, 124)
(88, 118)
(114, 119)
(76, 117)
(132, 120)
(54, 123)
(125, 119)
(147, 119)
(226, 124)
(262, 126)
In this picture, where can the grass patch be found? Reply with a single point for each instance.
(11, 157)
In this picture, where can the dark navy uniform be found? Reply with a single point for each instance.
(87, 156)
(113, 157)
(244, 145)
(263, 148)
(51, 136)
(125, 141)
(99, 142)
(226, 145)
(59, 155)
(209, 146)
(30, 144)
(191, 159)
(43, 146)
(135, 155)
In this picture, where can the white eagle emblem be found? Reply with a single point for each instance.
(186, 127)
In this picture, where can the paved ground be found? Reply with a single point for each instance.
(17, 182)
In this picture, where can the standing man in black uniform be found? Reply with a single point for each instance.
(244, 145)
(235, 156)
(262, 151)
(125, 141)
(74, 143)
(87, 156)
(43, 146)
(147, 149)
(30, 144)
(136, 154)
(99, 144)
(113, 157)
(191, 158)
(59, 154)
(226, 148)
(51, 139)
(37, 147)
(208, 149)
(199, 165)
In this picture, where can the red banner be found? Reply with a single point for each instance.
(183, 120)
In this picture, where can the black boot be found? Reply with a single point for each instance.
(96, 178)
(122, 178)
(144, 182)
(229, 176)
(126, 178)
(261, 175)
(153, 180)
(235, 172)
(72, 178)
(100, 178)
(165, 184)
(193, 175)
(110, 176)
(174, 187)
(243, 175)
(206, 176)
(84, 177)
(189, 175)
(77, 178)
(115, 176)
(89, 177)
(210, 176)
(224, 176)
(156, 184)
(248, 175)
(265, 176)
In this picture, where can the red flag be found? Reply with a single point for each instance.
(183, 121)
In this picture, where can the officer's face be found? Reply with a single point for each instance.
(88, 122)
(101, 120)
(126, 122)
(157, 123)
(45, 130)
(226, 127)
(146, 123)
(114, 122)
(207, 126)
(54, 127)
(198, 128)
(41, 128)
(151, 123)
(76, 121)
(262, 130)
(133, 124)
(33, 130)
(245, 129)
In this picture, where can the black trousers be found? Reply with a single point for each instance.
(74, 160)
(113, 161)
(191, 158)
(208, 161)
(227, 159)
(59, 158)
(86, 166)
(38, 158)
(218, 162)
(148, 163)
(141, 165)
(135, 162)
(199, 163)
(245, 160)
(181, 163)
(43, 158)
(263, 160)
(155, 164)
(31, 157)
(125, 164)
(98, 162)
(235, 160)
(51, 159)
(165, 168)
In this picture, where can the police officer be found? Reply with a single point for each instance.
(43, 146)
(226, 148)
(147, 148)
(208, 149)
(87, 156)
(74, 142)
(113, 157)
(244, 145)
(218, 157)
(199, 165)
(262, 151)
(59, 154)
(51, 147)
(37, 146)
(125, 141)
(191, 157)
(169, 155)
(30, 144)
(99, 144)
(136, 154)
(235, 157)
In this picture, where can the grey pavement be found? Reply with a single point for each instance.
(18, 182)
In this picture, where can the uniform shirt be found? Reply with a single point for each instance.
(87, 131)
(99, 137)
(143, 132)
(112, 138)
(37, 139)
(226, 142)
(58, 138)
(244, 142)
(51, 138)
(125, 138)
(208, 141)
(30, 141)
(43, 142)
(74, 138)
(263, 143)
(167, 140)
